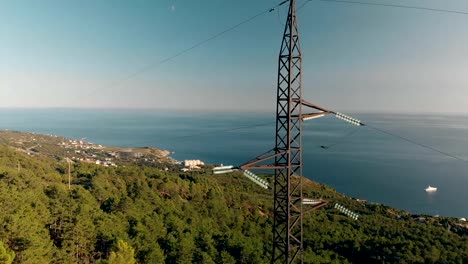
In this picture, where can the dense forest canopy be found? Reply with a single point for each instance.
(143, 214)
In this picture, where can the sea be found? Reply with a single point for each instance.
(391, 167)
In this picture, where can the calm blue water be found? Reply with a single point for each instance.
(361, 162)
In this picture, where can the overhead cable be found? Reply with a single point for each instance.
(194, 46)
(395, 5)
(416, 143)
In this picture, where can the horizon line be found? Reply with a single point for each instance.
(208, 110)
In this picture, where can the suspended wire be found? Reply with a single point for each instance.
(196, 45)
(224, 130)
(269, 10)
(323, 146)
(208, 133)
(416, 143)
(395, 5)
(152, 66)
(219, 34)
(395, 136)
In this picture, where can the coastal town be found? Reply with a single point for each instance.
(81, 150)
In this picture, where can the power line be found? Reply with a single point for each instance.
(416, 143)
(225, 130)
(336, 143)
(408, 7)
(269, 10)
(208, 132)
(396, 6)
(324, 146)
(194, 46)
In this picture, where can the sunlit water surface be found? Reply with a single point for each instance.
(359, 161)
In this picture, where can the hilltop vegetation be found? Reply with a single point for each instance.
(138, 214)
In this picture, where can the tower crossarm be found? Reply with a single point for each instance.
(256, 163)
(310, 105)
(324, 112)
(309, 116)
(318, 203)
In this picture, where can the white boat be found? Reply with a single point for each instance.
(431, 189)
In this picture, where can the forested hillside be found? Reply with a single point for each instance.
(139, 214)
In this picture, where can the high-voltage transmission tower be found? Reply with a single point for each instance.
(287, 226)
(287, 153)
(286, 157)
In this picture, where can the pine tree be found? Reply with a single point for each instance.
(124, 254)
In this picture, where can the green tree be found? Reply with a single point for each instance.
(124, 254)
(226, 258)
(6, 256)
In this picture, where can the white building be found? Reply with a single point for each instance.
(191, 164)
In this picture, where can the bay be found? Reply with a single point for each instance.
(360, 162)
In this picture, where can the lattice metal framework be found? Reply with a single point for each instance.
(287, 226)
(286, 157)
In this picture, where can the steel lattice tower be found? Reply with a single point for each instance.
(287, 226)
(286, 156)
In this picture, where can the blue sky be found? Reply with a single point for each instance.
(57, 53)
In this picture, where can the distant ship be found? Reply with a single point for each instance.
(431, 189)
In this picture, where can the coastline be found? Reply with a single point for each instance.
(80, 150)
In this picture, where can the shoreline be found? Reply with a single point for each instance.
(158, 157)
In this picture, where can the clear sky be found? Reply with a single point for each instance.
(59, 53)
